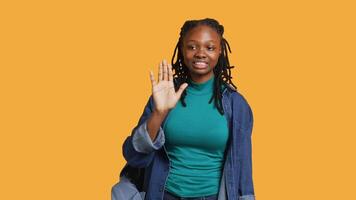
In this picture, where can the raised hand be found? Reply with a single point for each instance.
(164, 95)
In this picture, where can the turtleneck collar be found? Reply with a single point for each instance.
(201, 88)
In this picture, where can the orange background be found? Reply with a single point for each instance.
(74, 79)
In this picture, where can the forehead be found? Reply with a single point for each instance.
(202, 33)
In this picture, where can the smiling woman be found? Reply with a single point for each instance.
(183, 145)
(201, 50)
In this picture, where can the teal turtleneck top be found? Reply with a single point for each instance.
(196, 138)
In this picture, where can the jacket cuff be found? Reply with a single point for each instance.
(142, 142)
(247, 197)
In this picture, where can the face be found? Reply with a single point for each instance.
(201, 49)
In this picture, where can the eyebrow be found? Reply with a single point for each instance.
(205, 41)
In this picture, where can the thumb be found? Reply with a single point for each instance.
(181, 89)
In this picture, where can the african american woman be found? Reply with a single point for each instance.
(193, 139)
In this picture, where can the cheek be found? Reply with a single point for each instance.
(187, 58)
(214, 58)
(189, 55)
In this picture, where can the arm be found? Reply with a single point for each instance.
(138, 149)
(246, 187)
(147, 136)
(154, 123)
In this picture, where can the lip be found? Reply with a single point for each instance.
(200, 64)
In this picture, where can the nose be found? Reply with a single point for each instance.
(200, 53)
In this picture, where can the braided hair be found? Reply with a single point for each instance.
(222, 72)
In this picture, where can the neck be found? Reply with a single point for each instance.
(201, 79)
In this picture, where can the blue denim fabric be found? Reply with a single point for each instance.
(125, 190)
(236, 182)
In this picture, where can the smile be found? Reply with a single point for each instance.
(200, 65)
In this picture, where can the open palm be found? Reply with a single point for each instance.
(164, 95)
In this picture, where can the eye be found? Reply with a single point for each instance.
(191, 47)
(211, 48)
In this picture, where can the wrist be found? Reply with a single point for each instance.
(160, 114)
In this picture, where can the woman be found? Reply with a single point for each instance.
(193, 140)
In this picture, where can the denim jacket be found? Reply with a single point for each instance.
(236, 181)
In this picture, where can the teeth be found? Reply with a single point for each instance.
(200, 64)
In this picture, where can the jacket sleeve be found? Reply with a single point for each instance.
(246, 187)
(138, 148)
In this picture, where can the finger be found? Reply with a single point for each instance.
(170, 73)
(181, 89)
(160, 72)
(153, 82)
(165, 70)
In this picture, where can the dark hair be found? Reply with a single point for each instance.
(222, 70)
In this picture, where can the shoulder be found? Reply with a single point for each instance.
(230, 87)
(239, 98)
(236, 95)
(241, 109)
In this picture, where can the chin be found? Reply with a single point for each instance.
(200, 73)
